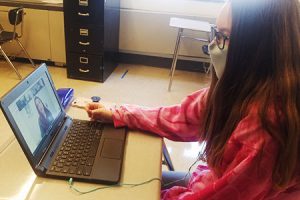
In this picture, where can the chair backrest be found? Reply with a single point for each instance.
(15, 16)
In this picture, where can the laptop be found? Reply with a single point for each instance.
(56, 145)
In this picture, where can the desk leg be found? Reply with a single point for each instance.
(207, 69)
(175, 56)
(167, 157)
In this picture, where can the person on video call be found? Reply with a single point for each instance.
(249, 117)
(45, 116)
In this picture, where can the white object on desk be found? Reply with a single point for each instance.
(189, 24)
(81, 102)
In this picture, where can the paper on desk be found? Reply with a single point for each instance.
(81, 102)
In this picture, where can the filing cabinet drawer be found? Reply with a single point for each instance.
(89, 55)
(85, 66)
(84, 11)
(83, 39)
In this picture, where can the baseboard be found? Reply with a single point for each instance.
(25, 60)
(130, 58)
(156, 61)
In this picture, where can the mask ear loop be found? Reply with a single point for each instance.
(212, 32)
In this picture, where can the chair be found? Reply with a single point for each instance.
(15, 17)
(189, 24)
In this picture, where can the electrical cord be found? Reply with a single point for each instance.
(184, 178)
(71, 182)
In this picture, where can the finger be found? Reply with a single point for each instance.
(98, 114)
(95, 114)
(102, 115)
(89, 112)
(92, 106)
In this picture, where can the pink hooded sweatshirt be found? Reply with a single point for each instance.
(249, 156)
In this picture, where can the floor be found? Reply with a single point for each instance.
(141, 85)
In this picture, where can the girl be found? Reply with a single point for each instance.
(249, 117)
(45, 116)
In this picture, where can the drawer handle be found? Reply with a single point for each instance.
(83, 2)
(83, 14)
(84, 70)
(84, 32)
(84, 43)
(83, 60)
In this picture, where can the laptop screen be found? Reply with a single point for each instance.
(35, 111)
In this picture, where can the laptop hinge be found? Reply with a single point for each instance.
(40, 170)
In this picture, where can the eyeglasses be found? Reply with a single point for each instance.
(219, 37)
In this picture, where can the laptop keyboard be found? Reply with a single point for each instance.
(77, 154)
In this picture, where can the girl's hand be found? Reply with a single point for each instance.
(97, 111)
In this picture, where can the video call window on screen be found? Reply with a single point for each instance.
(23, 101)
(35, 111)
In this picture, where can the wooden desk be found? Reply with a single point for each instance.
(6, 134)
(142, 161)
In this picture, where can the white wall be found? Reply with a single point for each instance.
(187, 7)
(144, 25)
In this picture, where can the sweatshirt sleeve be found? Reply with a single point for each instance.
(180, 122)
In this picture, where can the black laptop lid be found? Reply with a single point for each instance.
(34, 113)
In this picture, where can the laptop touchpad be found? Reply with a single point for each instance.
(112, 149)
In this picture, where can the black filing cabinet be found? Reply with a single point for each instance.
(92, 38)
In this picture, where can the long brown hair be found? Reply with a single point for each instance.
(263, 63)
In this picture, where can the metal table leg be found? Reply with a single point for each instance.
(175, 56)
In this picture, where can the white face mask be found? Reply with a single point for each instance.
(218, 58)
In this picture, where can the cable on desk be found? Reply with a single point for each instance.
(70, 181)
